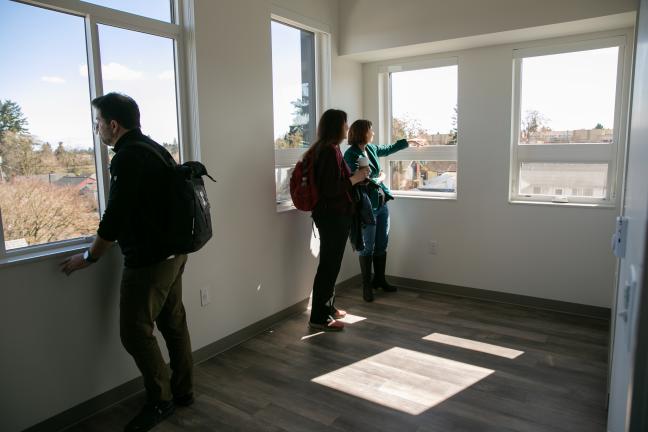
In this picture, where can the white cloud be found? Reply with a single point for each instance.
(166, 75)
(114, 72)
(52, 79)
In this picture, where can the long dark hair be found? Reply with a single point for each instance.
(358, 132)
(330, 131)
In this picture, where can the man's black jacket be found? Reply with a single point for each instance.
(135, 212)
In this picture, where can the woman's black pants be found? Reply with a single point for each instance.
(333, 233)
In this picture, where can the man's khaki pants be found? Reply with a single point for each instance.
(153, 294)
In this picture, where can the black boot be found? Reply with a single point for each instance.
(379, 281)
(365, 267)
(149, 416)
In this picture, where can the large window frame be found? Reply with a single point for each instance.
(95, 15)
(581, 153)
(288, 158)
(427, 153)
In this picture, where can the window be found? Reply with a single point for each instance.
(566, 122)
(151, 82)
(156, 9)
(53, 170)
(423, 106)
(296, 99)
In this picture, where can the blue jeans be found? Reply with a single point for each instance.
(376, 236)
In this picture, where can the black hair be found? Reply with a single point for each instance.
(119, 107)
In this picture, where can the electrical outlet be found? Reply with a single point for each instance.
(433, 247)
(204, 297)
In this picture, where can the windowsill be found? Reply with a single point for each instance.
(567, 204)
(425, 197)
(42, 255)
(285, 207)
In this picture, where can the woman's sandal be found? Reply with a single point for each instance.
(339, 314)
(331, 325)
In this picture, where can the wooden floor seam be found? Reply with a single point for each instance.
(409, 361)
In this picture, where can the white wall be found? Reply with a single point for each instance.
(60, 338)
(546, 251)
(60, 342)
(367, 25)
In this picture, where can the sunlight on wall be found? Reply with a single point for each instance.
(314, 242)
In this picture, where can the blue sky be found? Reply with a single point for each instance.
(45, 72)
(286, 74)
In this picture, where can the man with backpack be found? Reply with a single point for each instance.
(151, 286)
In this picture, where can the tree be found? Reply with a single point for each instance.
(46, 149)
(12, 118)
(172, 148)
(407, 128)
(299, 132)
(70, 161)
(18, 155)
(78, 162)
(15, 145)
(599, 126)
(60, 150)
(453, 131)
(534, 121)
(39, 212)
(48, 162)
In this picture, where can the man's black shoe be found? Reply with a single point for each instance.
(184, 401)
(151, 414)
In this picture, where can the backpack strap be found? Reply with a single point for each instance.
(151, 149)
(197, 168)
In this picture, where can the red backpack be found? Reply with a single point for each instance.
(302, 185)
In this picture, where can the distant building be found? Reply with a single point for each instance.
(586, 180)
(86, 185)
(580, 136)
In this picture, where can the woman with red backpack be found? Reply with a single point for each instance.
(332, 215)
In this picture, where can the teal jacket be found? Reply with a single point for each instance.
(374, 152)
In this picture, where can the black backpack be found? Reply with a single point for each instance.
(188, 217)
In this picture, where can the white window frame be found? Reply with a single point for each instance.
(288, 158)
(590, 153)
(178, 30)
(429, 153)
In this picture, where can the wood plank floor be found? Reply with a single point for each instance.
(531, 371)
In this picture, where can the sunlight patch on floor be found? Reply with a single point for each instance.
(308, 336)
(351, 319)
(474, 345)
(404, 380)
